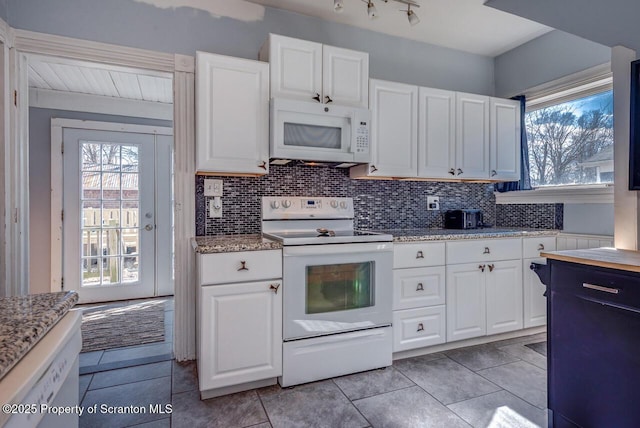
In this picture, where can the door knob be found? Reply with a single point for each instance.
(148, 227)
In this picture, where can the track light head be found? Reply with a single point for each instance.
(338, 6)
(371, 10)
(412, 17)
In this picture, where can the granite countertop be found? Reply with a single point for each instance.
(416, 235)
(231, 243)
(24, 320)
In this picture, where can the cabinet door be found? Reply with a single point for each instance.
(504, 296)
(466, 308)
(240, 333)
(535, 303)
(394, 131)
(345, 76)
(416, 328)
(472, 136)
(505, 139)
(436, 133)
(296, 68)
(232, 115)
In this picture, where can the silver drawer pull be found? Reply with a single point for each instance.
(420, 327)
(419, 287)
(601, 288)
(243, 266)
(486, 250)
(419, 255)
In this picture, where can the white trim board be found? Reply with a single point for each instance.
(70, 101)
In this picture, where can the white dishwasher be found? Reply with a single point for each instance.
(47, 377)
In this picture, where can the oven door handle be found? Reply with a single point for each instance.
(331, 249)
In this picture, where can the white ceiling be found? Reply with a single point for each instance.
(466, 25)
(99, 79)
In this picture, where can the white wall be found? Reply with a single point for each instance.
(184, 30)
(544, 59)
(588, 219)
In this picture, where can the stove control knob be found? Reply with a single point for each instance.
(343, 205)
(275, 205)
(334, 204)
(286, 203)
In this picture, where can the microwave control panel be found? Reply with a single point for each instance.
(362, 137)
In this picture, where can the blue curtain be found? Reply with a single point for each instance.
(525, 181)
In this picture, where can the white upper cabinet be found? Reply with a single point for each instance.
(345, 76)
(311, 71)
(232, 115)
(436, 133)
(505, 139)
(472, 136)
(394, 131)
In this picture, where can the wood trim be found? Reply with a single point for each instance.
(184, 171)
(112, 126)
(596, 194)
(71, 101)
(85, 50)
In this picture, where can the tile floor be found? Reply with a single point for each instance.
(502, 384)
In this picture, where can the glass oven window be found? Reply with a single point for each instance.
(339, 287)
(300, 135)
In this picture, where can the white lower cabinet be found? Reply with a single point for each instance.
(535, 303)
(240, 333)
(504, 296)
(484, 287)
(466, 308)
(417, 328)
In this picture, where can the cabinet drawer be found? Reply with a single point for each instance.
(418, 255)
(414, 288)
(485, 250)
(531, 247)
(417, 328)
(241, 266)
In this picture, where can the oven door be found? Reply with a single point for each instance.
(336, 288)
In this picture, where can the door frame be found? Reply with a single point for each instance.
(57, 180)
(183, 69)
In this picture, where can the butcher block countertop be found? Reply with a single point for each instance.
(24, 320)
(611, 258)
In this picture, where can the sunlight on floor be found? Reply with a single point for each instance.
(505, 417)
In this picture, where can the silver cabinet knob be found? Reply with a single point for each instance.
(148, 227)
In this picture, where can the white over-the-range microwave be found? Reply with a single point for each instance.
(318, 133)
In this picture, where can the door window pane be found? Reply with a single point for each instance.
(339, 287)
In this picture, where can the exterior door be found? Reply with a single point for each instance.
(110, 214)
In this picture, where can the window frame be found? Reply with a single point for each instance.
(580, 85)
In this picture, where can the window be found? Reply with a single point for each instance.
(571, 141)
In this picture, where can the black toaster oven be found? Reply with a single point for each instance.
(463, 219)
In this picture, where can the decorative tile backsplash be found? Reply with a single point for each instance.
(542, 216)
(379, 204)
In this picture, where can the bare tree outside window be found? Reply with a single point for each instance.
(572, 142)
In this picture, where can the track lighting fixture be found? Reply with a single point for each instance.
(411, 15)
(372, 12)
(371, 9)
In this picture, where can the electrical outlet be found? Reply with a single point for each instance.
(215, 207)
(433, 203)
(212, 187)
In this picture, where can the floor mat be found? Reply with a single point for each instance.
(119, 324)
(540, 347)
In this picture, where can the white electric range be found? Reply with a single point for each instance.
(337, 288)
